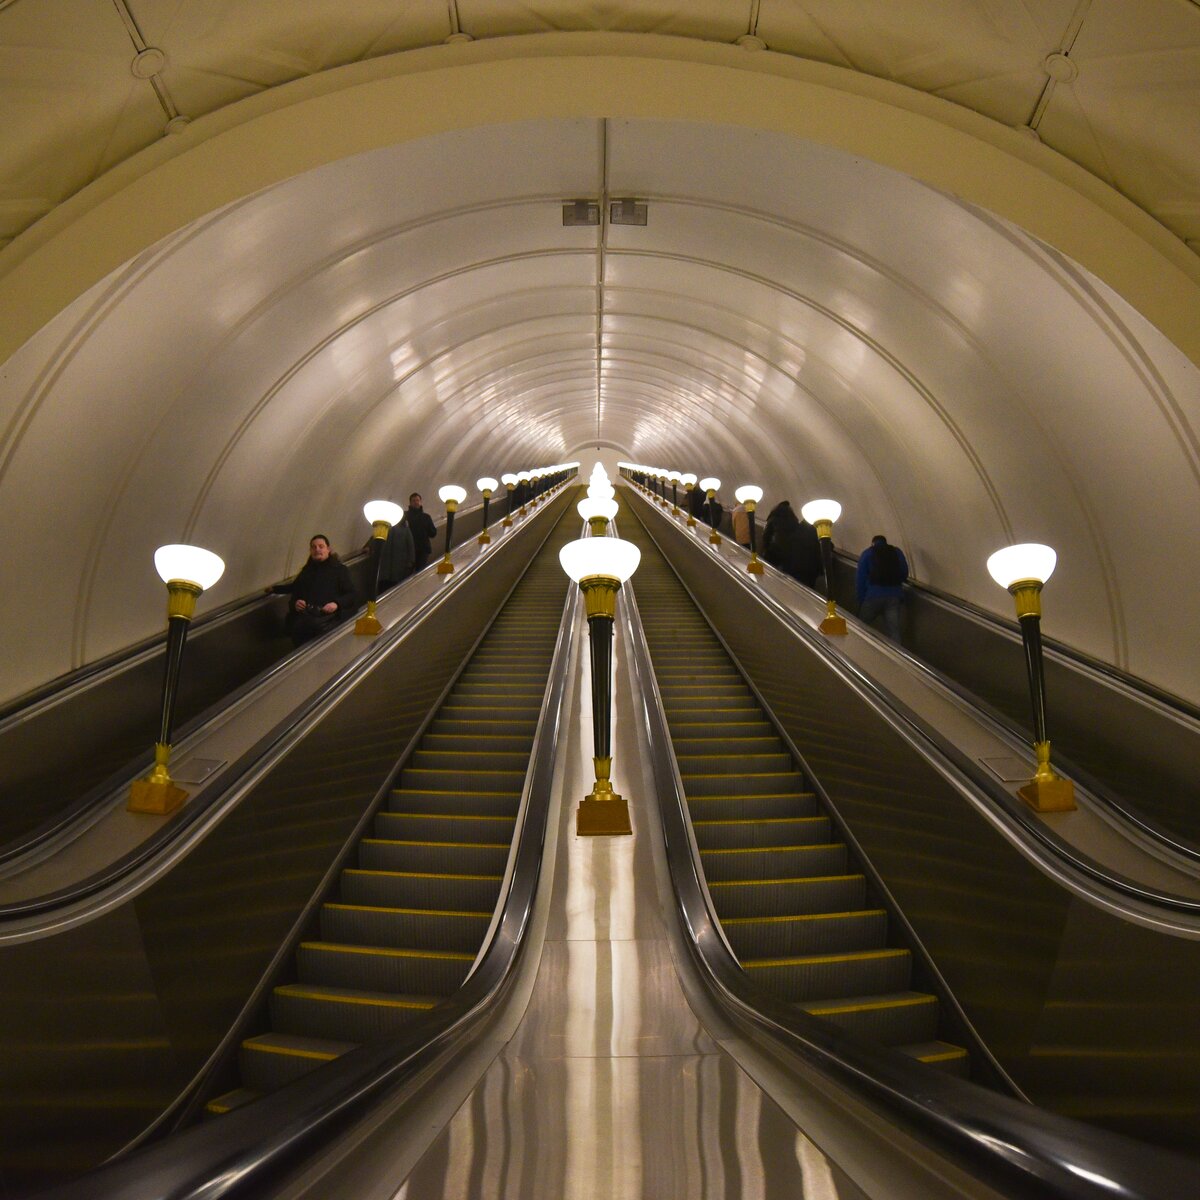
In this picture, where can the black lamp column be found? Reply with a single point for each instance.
(753, 566)
(451, 495)
(368, 624)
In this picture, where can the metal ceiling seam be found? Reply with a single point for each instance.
(1120, 265)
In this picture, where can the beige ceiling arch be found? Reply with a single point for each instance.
(259, 142)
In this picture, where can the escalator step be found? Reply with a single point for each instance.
(826, 976)
(377, 924)
(506, 725)
(895, 1019)
(388, 854)
(699, 707)
(473, 828)
(231, 1100)
(762, 783)
(420, 889)
(760, 832)
(772, 862)
(382, 968)
(753, 898)
(270, 1060)
(344, 1014)
(491, 804)
(720, 761)
(466, 778)
(807, 933)
(942, 1055)
(752, 808)
(441, 742)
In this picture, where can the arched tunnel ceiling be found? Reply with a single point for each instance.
(791, 313)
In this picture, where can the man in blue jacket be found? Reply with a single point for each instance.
(882, 570)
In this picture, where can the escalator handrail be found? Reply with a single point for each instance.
(238, 774)
(1018, 1150)
(249, 1149)
(934, 747)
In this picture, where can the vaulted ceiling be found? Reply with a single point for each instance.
(936, 258)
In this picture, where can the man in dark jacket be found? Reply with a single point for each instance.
(322, 594)
(792, 545)
(879, 580)
(420, 525)
(397, 556)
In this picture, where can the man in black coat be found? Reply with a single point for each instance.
(420, 525)
(322, 594)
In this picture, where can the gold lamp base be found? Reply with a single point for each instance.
(602, 813)
(485, 538)
(1047, 791)
(445, 567)
(368, 624)
(507, 522)
(754, 566)
(714, 538)
(691, 521)
(833, 624)
(156, 794)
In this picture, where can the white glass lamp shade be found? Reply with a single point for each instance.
(673, 477)
(710, 484)
(593, 507)
(604, 556)
(821, 510)
(383, 510)
(508, 479)
(1017, 564)
(451, 491)
(748, 491)
(686, 478)
(601, 490)
(486, 484)
(522, 476)
(188, 564)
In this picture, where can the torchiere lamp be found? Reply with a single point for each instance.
(487, 485)
(187, 571)
(600, 565)
(822, 514)
(748, 496)
(597, 513)
(451, 495)
(674, 477)
(510, 483)
(710, 487)
(382, 514)
(689, 482)
(1022, 570)
(523, 485)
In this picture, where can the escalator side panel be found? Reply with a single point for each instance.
(192, 947)
(1059, 989)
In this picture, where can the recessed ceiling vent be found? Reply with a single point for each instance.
(581, 212)
(627, 212)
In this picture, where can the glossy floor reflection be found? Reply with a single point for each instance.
(610, 1087)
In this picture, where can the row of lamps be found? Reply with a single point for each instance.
(189, 571)
(1021, 569)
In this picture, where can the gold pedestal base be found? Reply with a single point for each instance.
(835, 626)
(485, 538)
(754, 567)
(691, 522)
(445, 567)
(714, 538)
(1049, 795)
(507, 522)
(157, 798)
(368, 625)
(674, 511)
(604, 815)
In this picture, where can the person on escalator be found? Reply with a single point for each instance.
(322, 594)
(792, 545)
(879, 584)
(696, 503)
(420, 525)
(397, 556)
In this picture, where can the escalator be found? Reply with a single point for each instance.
(125, 1008)
(1078, 993)
(793, 903)
(408, 918)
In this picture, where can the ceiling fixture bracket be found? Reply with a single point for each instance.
(148, 62)
(580, 212)
(628, 212)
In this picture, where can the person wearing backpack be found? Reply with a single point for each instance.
(882, 570)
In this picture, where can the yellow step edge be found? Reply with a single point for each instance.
(432, 845)
(858, 912)
(452, 771)
(740, 757)
(420, 912)
(708, 822)
(418, 874)
(777, 849)
(753, 796)
(387, 951)
(444, 792)
(448, 816)
(290, 1051)
(870, 1006)
(480, 752)
(795, 879)
(739, 775)
(306, 994)
(943, 1056)
(819, 959)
